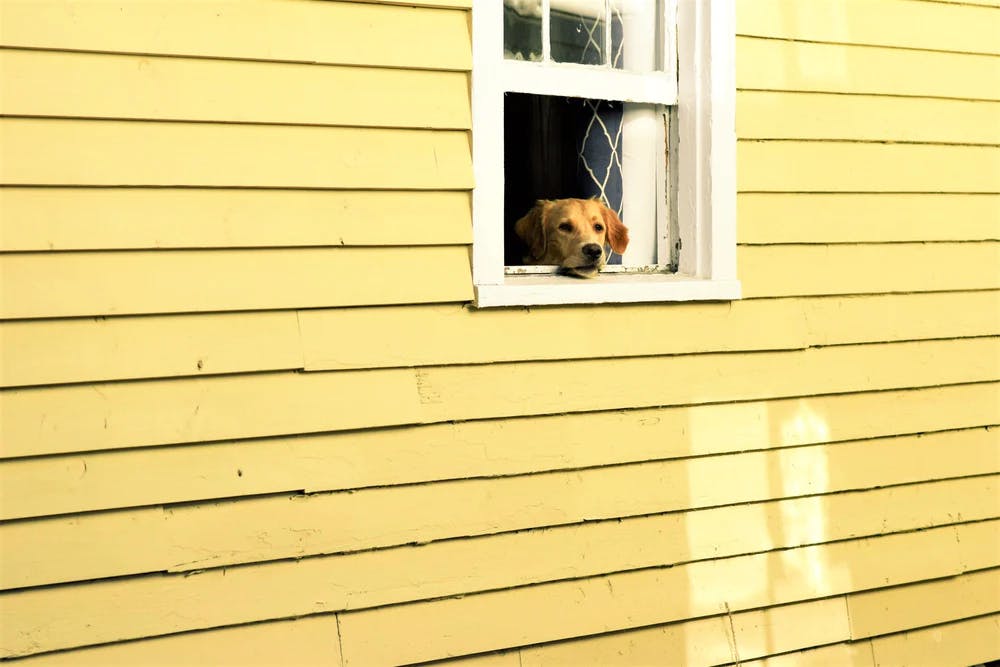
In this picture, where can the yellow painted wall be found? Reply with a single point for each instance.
(248, 417)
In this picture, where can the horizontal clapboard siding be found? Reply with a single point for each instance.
(478, 449)
(254, 530)
(618, 601)
(800, 166)
(866, 70)
(144, 218)
(374, 578)
(116, 283)
(702, 641)
(437, 332)
(770, 271)
(967, 642)
(246, 387)
(122, 283)
(926, 25)
(119, 153)
(702, 378)
(754, 634)
(137, 218)
(54, 420)
(713, 640)
(55, 83)
(770, 218)
(345, 33)
(97, 349)
(762, 114)
(884, 612)
(303, 641)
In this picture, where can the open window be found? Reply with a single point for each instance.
(626, 101)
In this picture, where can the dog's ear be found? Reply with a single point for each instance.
(531, 230)
(617, 232)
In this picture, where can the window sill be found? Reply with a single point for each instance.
(605, 288)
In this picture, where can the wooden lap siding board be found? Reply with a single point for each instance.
(249, 419)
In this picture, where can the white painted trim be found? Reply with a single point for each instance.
(706, 164)
(587, 81)
(706, 180)
(487, 142)
(628, 288)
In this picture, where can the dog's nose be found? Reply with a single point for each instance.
(592, 250)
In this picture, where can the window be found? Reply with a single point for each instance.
(629, 101)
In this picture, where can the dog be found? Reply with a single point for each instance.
(571, 233)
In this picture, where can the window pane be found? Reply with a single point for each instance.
(635, 34)
(577, 31)
(522, 29)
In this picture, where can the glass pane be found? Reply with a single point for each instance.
(578, 31)
(635, 34)
(522, 29)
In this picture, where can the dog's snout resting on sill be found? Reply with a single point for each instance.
(572, 234)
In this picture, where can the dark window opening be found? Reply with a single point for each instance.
(556, 148)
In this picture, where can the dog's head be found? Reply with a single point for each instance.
(571, 233)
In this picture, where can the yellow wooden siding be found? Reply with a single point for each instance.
(59, 419)
(95, 349)
(884, 612)
(138, 218)
(73, 418)
(769, 271)
(979, 546)
(366, 338)
(121, 283)
(958, 644)
(456, 4)
(710, 482)
(713, 640)
(985, 3)
(130, 478)
(843, 655)
(449, 627)
(769, 64)
(480, 391)
(860, 319)
(764, 114)
(800, 166)
(926, 25)
(766, 218)
(294, 30)
(304, 642)
(163, 604)
(118, 153)
(252, 530)
(965, 643)
(53, 83)
(705, 641)
(80, 350)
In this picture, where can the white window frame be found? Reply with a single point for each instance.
(705, 196)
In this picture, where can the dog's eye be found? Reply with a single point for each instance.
(566, 227)
(598, 228)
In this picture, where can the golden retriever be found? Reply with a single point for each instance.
(571, 233)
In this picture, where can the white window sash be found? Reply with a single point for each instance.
(587, 81)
